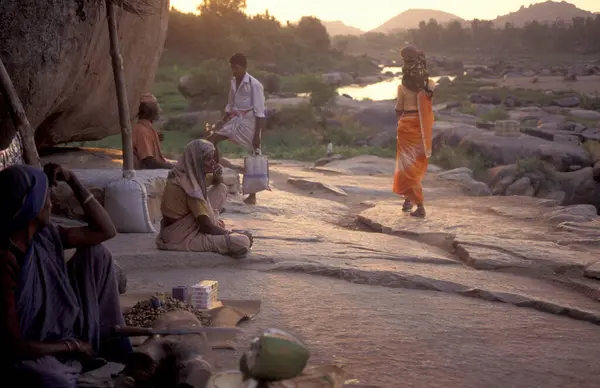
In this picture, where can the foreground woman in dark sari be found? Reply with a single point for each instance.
(55, 315)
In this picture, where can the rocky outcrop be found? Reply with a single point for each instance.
(58, 56)
(501, 150)
(464, 177)
(567, 188)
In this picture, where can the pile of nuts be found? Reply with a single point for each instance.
(143, 314)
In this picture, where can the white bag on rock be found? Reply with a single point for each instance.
(256, 174)
(126, 202)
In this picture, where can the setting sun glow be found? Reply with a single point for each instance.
(369, 15)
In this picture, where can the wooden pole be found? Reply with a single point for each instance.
(117, 65)
(17, 113)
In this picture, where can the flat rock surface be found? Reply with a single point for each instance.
(396, 337)
(484, 292)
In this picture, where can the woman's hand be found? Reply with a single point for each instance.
(221, 224)
(83, 348)
(57, 173)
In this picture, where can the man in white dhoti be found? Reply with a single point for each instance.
(244, 117)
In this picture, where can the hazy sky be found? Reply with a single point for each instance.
(368, 14)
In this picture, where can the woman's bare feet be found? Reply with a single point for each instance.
(420, 212)
(250, 199)
(407, 206)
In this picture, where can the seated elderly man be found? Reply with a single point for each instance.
(146, 140)
(55, 315)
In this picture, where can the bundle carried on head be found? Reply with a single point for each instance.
(415, 76)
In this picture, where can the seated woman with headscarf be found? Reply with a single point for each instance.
(55, 315)
(190, 209)
(415, 112)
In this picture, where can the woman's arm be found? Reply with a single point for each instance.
(400, 102)
(206, 226)
(100, 227)
(199, 209)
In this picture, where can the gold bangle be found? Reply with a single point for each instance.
(68, 345)
(88, 199)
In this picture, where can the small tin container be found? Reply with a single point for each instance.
(155, 302)
(180, 293)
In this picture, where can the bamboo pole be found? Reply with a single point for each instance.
(17, 113)
(117, 65)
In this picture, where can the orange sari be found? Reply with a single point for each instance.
(413, 150)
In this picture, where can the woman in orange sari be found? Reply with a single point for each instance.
(415, 112)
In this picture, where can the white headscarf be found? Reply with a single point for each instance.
(189, 172)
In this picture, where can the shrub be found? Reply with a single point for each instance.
(181, 123)
(593, 149)
(449, 157)
(530, 165)
(495, 115)
(209, 84)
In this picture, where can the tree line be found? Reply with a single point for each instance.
(222, 27)
(580, 35)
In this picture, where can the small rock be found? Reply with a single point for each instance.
(597, 171)
(568, 102)
(593, 271)
(571, 77)
(571, 126)
(512, 102)
(521, 186)
(574, 213)
(501, 186)
(477, 189)
(557, 196)
(591, 134)
(585, 114)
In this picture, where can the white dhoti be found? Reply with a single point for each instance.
(240, 129)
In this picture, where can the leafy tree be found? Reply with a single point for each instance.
(222, 7)
(313, 33)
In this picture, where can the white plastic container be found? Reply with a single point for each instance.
(205, 295)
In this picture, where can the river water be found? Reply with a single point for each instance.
(384, 90)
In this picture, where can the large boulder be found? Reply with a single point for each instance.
(503, 150)
(58, 56)
(377, 116)
(579, 186)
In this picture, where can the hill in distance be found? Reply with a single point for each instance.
(412, 17)
(548, 11)
(340, 28)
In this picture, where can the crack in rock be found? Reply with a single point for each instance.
(415, 282)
